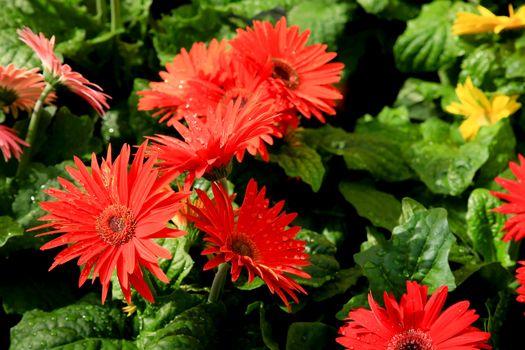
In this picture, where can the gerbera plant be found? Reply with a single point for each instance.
(487, 22)
(254, 236)
(416, 322)
(110, 218)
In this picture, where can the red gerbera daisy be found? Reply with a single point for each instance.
(171, 97)
(414, 323)
(109, 219)
(10, 143)
(520, 276)
(20, 89)
(210, 143)
(299, 73)
(515, 226)
(63, 73)
(255, 237)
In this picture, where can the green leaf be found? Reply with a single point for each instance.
(428, 43)
(342, 281)
(418, 250)
(310, 335)
(323, 265)
(46, 330)
(9, 228)
(390, 9)
(298, 159)
(483, 64)
(484, 227)
(180, 265)
(382, 209)
(194, 328)
(36, 14)
(99, 344)
(69, 135)
(369, 149)
(445, 167)
(419, 96)
(356, 302)
(157, 316)
(326, 19)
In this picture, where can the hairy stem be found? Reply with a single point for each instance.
(218, 283)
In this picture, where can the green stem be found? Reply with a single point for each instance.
(33, 128)
(115, 15)
(224, 182)
(101, 11)
(218, 283)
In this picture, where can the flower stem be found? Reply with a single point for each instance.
(101, 11)
(218, 283)
(115, 15)
(224, 182)
(33, 128)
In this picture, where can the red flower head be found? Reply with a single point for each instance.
(414, 323)
(10, 143)
(63, 73)
(299, 73)
(210, 143)
(520, 276)
(255, 237)
(20, 89)
(172, 95)
(109, 219)
(515, 226)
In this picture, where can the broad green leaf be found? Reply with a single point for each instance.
(382, 209)
(267, 332)
(483, 64)
(83, 320)
(156, 316)
(356, 302)
(390, 9)
(419, 97)
(99, 344)
(242, 283)
(298, 159)
(70, 135)
(428, 43)
(36, 14)
(9, 228)
(323, 265)
(310, 335)
(409, 207)
(418, 250)
(444, 166)
(498, 307)
(180, 265)
(342, 281)
(326, 19)
(484, 227)
(515, 64)
(369, 149)
(194, 328)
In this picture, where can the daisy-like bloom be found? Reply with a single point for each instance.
(10, 143)
(520, 276)
(515, 226)
(478, 109)
(63, 73)
(300, 74)
(487, 22)
(209, 144)
(20, 89)
(171, 96)
(415, 323)
(108, 221)
(255, 236)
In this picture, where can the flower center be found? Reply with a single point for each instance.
(116, 224)
(284, 71)
(7, 96)
(413, 339)
(244, 246)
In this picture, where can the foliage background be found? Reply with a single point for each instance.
(387, 191)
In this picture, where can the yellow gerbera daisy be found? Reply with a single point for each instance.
(478, 109)
(486, 21)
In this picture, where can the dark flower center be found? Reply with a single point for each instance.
(244, 246)
(413, 339)
(284, 71)
(7, 96)
(116, 224)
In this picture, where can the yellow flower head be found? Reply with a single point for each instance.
(478, 109)
(486, 21)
